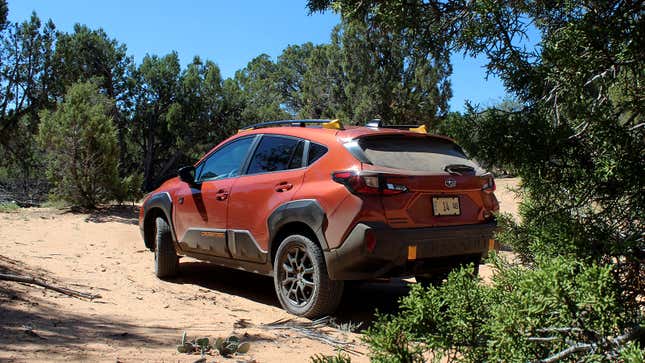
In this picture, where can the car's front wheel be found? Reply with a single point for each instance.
(301, 280)
(166, 260)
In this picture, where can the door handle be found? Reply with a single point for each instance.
(283, 187)
(221, 194)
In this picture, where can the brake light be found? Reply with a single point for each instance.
(489, 184)
(367, 184)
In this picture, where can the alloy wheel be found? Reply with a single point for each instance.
(297, 276)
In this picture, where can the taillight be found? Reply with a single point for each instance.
(489, 184)
(367, 184)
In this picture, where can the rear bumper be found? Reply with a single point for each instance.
(405, 252)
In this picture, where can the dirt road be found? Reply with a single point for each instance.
(139, 317)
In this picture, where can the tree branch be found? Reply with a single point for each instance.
(63, 290)
(587, 347)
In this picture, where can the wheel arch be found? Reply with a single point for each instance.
(288, 230)
(304, 216)
(159, 205)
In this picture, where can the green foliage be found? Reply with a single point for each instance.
(364, 73)
(225, 347)
(389, 78)
(179, 115)
(25, 77)
(157, 83)
(4, 10)
(9, 207)
(55, 204)
(90, 55)
(259, 81)
(340, 357)
(632, 353)
(129, 188)
(529, 306)
(524, 315)
(390, 342)
(81, 145)
(436, 319)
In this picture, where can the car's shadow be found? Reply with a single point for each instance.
(359, 303)
(248, 285)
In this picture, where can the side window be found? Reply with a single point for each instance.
(296, 159)
(225, 162)
(276, 153)
(316, 151)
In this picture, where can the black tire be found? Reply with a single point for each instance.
(166, 260)
(306, 290)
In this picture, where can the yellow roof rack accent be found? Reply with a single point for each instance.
(421, 129)
(333, 124)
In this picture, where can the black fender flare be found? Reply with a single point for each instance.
(307, 211)
(161, 201)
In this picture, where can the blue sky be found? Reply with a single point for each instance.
(230, 33)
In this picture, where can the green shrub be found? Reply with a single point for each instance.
(81, 144)
(340, 357)
(9, 207)
(55, 204)
(526, 314)
(129, 189)
(632, 353)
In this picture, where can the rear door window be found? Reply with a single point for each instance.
(416, 154)
(276, 153)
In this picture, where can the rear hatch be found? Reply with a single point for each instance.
(441, 185)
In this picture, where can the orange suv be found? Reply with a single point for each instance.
(313, 203)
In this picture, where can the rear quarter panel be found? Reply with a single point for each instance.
(341, 207)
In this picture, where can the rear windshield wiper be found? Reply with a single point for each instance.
(459, 169)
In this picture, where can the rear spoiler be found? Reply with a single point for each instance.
(378, 124)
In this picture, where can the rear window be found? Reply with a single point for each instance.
(316, 151)
(416, 154)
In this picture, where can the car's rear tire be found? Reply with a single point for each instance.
(166, 260)
(301, 280)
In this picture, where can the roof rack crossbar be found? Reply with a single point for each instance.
(297, 123)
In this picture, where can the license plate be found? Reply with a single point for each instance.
(445, 206)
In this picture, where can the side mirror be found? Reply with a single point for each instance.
(187, 174)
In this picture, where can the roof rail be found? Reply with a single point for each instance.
(296, 123)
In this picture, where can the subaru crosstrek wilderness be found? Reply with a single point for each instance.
(315, 203)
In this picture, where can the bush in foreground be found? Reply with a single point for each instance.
(565, 310)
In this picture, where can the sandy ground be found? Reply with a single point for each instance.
(507, 195)
(139, 317)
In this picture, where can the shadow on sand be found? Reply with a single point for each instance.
(126, 214)
(360, 299)
(30, 324)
